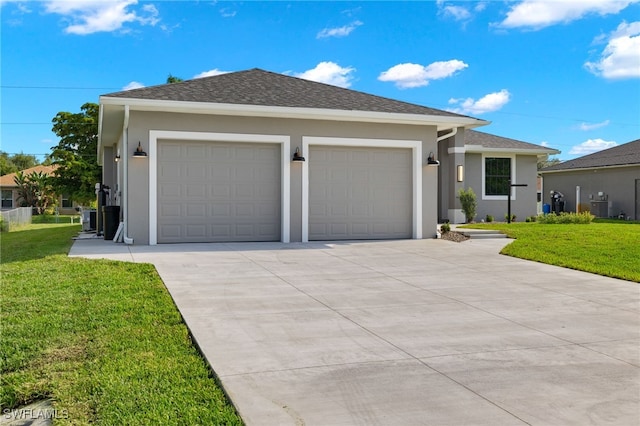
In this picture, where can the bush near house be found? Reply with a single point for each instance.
(469, 203)
(566, 217)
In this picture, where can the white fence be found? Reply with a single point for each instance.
(16, 217)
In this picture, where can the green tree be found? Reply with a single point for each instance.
(76, 153)
(548, 162)
(468, 202)
(173, 79)
(6, 165)
(34, 190)
(24, 161)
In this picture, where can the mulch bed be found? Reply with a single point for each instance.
(458, 237)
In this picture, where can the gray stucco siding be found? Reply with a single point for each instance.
(142, 122)
(524, 201)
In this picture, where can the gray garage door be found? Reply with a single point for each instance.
(359, 193)
(218, 191)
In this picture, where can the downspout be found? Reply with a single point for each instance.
(125, 176)
(447, 135)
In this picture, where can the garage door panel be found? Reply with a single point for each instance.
(218, 191)
(360, 193)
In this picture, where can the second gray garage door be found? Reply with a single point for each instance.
(360, 193)
(218, 191)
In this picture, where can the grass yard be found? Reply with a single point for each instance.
(609, 248)
(101, 338)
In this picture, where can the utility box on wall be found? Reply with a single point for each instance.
(601, 208)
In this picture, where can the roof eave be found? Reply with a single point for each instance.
(479, 149)
(442, 122)
(582, 169)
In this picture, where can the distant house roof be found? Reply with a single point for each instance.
(480, 141)
(7, 180)
(265, 88)
(622, 155)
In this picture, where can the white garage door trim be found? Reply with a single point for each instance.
(416, 147)
(154, 135)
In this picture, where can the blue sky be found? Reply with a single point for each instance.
(565, 74)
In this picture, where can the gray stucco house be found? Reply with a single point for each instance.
(220, 159)
(606, 183)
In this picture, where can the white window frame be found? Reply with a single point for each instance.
(285, 186)
(416, 148)
(5, 199)
(513, 175)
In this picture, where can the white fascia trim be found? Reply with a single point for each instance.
(285, 188)
(478, 149)
(586, 169)
(513, 176)
(442, 122)
(416, 148)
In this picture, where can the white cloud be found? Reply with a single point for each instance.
(537, 14)
(480, 6)
(621, 56)
(593, 126)
(488, 103)
(227, 12)
(329, 73)
(592, 145)
(133, 85)
(90, 16)
(458, 13)
(544, 143)
(210, 73)
(415, 75)
(340, 31)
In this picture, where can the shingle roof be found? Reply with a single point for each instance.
(472, 137)
(7, 180)
(621, 155)
(265, 88)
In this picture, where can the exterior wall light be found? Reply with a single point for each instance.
(460, 173)
(297, 156)
(117, 158)
(139, 152)
(431, 160)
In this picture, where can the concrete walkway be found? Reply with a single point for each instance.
(407, 332)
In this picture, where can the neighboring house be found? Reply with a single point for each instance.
(214, 159)
(9, 189)
(606, 183)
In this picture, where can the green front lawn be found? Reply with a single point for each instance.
(609, 248)
(103, 339)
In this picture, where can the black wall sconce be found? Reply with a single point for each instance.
(431, 161)
(117, 158)
(139, 152)
(297, 157)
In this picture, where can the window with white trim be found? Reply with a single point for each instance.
(7, 199)
(497, 172)
(66, 202)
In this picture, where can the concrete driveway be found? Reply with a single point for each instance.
(407, 332)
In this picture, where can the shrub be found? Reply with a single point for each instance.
(506, 217)
(489, 218)
(445, 227)
(530, 219)
(468, 202)
(565, 217)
